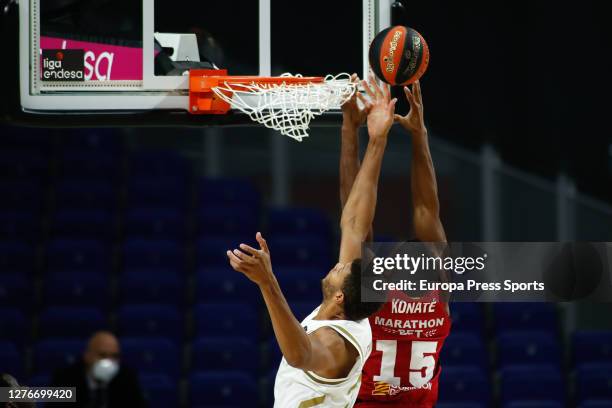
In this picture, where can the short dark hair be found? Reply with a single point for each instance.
(354, 307)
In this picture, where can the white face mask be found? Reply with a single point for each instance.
(105, 370)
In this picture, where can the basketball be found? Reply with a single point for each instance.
(399, 55)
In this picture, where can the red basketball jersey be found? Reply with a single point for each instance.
(404, 367)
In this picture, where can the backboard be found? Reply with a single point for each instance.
(135, 58)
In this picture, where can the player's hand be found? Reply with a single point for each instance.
(380, 108)
(352, 115)
(254, 263)
(413, 121)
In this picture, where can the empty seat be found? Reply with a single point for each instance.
(222, 284)
(77, 322)
(464, 348)
(534, 404)
(77, 289)
(153, 253)
(298, 221)
(21, 225)
(532, 382)
(11, 360)
(150, 321)
(160, 390)
(78, 254)
(301, 284)
(151, 355)
(155, 222)
(227, 192)
(222, 388)
(16, 289)
(592, 346)
(14, 325)
(212, 250)
(86, 194)
(101, 140)
(22, 195)
(464, 384)
(467, 316)
(225, 353)
(159, 163)
(302, 309)
(230, 220)
(528, 347)
(17, 256)
(594, 381)
(50, 355)
(525, 315)
(166, 192)
(151, 286)
(83, 224)
(91, 164)
(23, 163)
(297, 251)
(229, 319)
(596, 403)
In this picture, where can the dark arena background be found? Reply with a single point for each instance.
(105, 226)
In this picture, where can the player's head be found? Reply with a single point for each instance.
(342, 287)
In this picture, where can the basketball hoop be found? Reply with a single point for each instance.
(286, 103)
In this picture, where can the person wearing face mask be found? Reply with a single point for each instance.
(100, 380)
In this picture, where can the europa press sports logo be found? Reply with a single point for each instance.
(63, 65)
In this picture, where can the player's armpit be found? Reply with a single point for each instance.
(427, 225)
(332, 355)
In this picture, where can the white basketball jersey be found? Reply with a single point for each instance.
(295, 388)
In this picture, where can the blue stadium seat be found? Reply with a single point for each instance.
(102, 140)
(77, 289)
(16, 290)
(64, 321)
(211, 250)
(229, 220)
(39, 139)
(464, 348)
(42, 380)
(299, 221)
(222, 388)
(49, 355)
(159, 163)
(11, 360)
(526, 316)
(225, 353)
(596, 403)
(155, 222)
(227, 192)
(17, 256)
(22, 195)
(228, 319)
(151, 286)
(592, 346)
(301, 284)
(223, 284)
(91, 164)
(21, 225)
(151, 355)
(161, 192)
(153, 253)
(467, 316)
(86, 194)
(532, 382)
(78, 254)
(150, 321)
(528, 347)
(301, 251)
(534, 404)
(594, 381)
(464, 384)
(83, 224)
(23, 163)
(303, 309)
(160, 390)
(14, 325)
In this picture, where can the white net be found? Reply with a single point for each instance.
(288, 107)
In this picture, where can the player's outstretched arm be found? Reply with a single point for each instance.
(320, 351)
(353, 117)
(358, 212)
(426, 207)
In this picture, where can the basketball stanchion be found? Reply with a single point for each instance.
(286, 103)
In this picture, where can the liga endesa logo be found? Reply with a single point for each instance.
(63, 65)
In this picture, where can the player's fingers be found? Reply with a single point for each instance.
(409, 96)
(397, 117)
(263, 244)
(364, 101)
(234, 260)
(417, 91)
(375, 86)
(249, 250)
(242, 256)
(369, 91)
(386, 91)
(391, 105)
